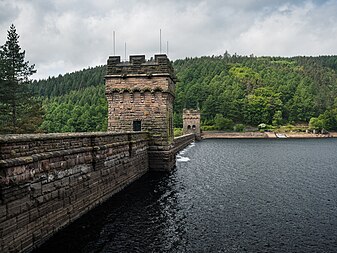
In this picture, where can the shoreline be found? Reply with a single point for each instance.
(264, 135)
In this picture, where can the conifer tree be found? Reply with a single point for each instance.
(20, 111)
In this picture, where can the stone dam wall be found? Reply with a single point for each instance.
(49, 180)
(182, 142)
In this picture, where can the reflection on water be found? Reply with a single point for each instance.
(224, 196)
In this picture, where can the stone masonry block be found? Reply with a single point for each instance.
(3, 212)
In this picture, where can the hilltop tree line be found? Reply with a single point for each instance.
(232, 91)
(63, 84)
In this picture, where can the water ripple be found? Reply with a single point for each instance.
(224, 196)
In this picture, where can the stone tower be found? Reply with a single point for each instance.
(191, 122)
(140, 97)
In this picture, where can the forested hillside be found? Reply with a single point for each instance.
(79, 111)
(61, 85)
(229, 90)
(254, 90)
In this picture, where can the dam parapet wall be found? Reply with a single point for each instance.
(49, 180)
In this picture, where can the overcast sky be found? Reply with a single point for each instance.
(62, 36)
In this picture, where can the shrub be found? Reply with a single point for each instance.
(316, 124)
(208, 128)
(277, 118)
(178, 132)
(222, 123)
(265, 127)
(292, 128)
(239, 127)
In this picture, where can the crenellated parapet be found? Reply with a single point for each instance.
(191, 114)
(139, 66)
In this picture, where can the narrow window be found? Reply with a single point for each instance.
(137, 125)
(188, 127)
(193, 127)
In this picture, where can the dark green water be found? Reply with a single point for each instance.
(224, 196)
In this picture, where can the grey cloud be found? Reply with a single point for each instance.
(8, 11)
(293, 30)
(67, 35)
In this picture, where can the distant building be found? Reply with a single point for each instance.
(191, 122)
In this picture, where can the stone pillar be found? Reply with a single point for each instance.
(191, 122)
(140, 96)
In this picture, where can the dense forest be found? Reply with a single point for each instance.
(254, 90)
(78, 111)
(230, 91)
(61, 85)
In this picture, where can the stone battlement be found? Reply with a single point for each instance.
(191, 114)
(139, 66)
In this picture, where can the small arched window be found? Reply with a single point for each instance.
(188, 127)
(193, 127)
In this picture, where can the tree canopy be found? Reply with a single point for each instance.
(252, 90)
(21, 112)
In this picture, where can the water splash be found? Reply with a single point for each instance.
(182, 159)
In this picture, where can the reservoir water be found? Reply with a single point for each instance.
(224, 196)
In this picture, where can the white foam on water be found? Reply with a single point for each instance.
(182, 159)
(187, 148)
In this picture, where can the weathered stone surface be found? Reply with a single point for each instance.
(46, 189)
(138, 65)
(183, 141)
(191, 122)
(140, 96)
